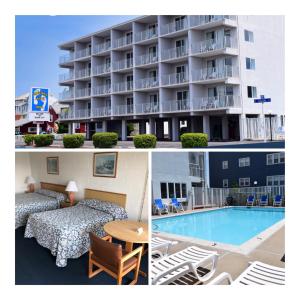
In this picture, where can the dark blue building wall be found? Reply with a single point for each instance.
(257, 171)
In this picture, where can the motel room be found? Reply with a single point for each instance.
(81, 218)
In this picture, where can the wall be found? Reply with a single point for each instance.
(130, 179)
(22, 170)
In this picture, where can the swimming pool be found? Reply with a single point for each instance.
(235, 225)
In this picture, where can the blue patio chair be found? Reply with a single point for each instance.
(250, 200)
(263, 201)
(277, 201)
(160, 207)
(177, 206)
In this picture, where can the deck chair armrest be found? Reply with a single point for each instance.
(132, 253)
(221, 278)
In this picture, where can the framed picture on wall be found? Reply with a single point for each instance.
(105, 164)
(52, 165)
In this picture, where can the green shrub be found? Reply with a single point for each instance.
(43, 140)
(193, 140)
(73, 140)
(144, 141)
(28, 139)
(105, 139)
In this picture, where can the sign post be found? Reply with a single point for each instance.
(263, 100)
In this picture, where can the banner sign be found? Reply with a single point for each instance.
(39, 106)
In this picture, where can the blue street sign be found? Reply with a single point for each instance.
(262, 99)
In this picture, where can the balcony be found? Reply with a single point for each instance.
(101, 69)
(78, 114)
(174, 26)
(175, 78)
(83, 53)
(146, 35)
(83, 73)
(82, 93)
(214, 74)
(122, 42)
(123, 64)
(174, 53)
(195, 170)
(101, 112)
(67, 58)
(218, 102)
(66, 77)
(125, 86)
(146, 59)
(102, 47)
(176, 105)
(123, 110)
(101, 90)
(146, 108)
(66, 115)
(66, 95)
(210, 19)
(147, 83)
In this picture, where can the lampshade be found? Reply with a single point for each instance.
(71, 187)
(29, 180)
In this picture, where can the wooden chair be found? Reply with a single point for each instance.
(112, 259)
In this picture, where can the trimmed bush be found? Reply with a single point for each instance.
(43, 140)
(28, 139)
(105, 139)
(144, 141)
(73, 140)
(193, 140)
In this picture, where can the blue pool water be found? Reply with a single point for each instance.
(232, 226)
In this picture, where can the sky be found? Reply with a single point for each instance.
(37, 38)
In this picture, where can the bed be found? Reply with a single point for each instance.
(47, 198)
(65, 232)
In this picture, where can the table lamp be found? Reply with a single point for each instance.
(71, 188)
(29, 180)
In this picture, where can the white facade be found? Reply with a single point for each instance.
(165, 71)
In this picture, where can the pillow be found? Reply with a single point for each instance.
(58, 196)
(116, 211)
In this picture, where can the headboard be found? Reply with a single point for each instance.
(54, 187)
(117, 198)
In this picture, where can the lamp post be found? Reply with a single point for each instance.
(71, 188)
(255, 183)
(270, 120)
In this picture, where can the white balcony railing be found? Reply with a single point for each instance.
(146, 108)
(175, 78)
(221, 101)
(83, 53)
(102, 47)
(101, 111)
(212, 45)
(122, 64)
(66, 58)
(123, 86)
(176, 105)
(123, 110)
(195, 170)
(101, 90)
(206, 19)
(83, 73)
(22, 109)
(101, 69)
(146, 35)
(174, 26)
(123, 41)
(146, 83)
(82, 113)
(67, 115)
(67, 76)
(146, 59)
(214, 73)
(66, 95)
(80, 93)
(176, 52)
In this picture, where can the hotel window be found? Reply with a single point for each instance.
(249, 37)
(275, 180)
(250, 63)
(152, 29)
(225, 164)
(225, 183)
(275, 158)
(163, 190)
(183, 190)
(129, 38)
(244, 181)
(171, 190)
(152, 52)
(177, 190)
(251, 91)
(179, 23)
(244, 162)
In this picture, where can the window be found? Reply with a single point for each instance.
(171, 190)
(275, 180)
(250, 63)
(177, 190)
(225, 183)
(163, 190)
(183, 190)
(244, 162)
(251, 90)
(129, 38)
(249, 37)
(275, 158)
(244, 181)
(225, 164)
(152, 29)
(32, 129)
(152, 53)
(179, 23)
(180, 48)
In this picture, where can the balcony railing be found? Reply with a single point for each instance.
(174, 26)
(66, 76)
(176, 105)
(146, 83)
(212, 45)
(66, 58)
(123, 86)
(146, 108)
(21, 109)
(83, 73)
(146, 59)
(80, 93)
(101, 69)
(214, 73)
(66, 95)
(123, 64)
(202, 20)
(146, 35)
(221, 101)
(174, 53)
(123, 110)
(101, 111)
(175, 78)
(101, 90)
(195, 170)
(83, 53)
(77, 114)
(67, 115)
(102, 47)
(123, 41)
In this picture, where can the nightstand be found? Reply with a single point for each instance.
(65, 204)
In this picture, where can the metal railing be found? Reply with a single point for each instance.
(176, 105)
(195, 170)
(123, 110)
(145, 83)
(214, 73)
(146, 108)
(66, 76)
(123, 64)
(221, 101)
(175, 78)
(101, 69)
(101, 111)
(212, 45)
(176, 52)
(174, 26)
(66, 58)
(66, 94)
(101, 90)
(206, 19)
(123, 41)
(101, 47)
(86, 92)
(146, 59)
(83, 73)
(146, 35)
(123, 86)
(83, 53)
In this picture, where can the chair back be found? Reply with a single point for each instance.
(158, 203)
(250, 199)
(263, 199)
(175, 201)
(278, 199)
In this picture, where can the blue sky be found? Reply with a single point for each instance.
(37, 38)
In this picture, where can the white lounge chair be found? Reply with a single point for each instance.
(160, 247)
(177, 265)
(257, 273)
